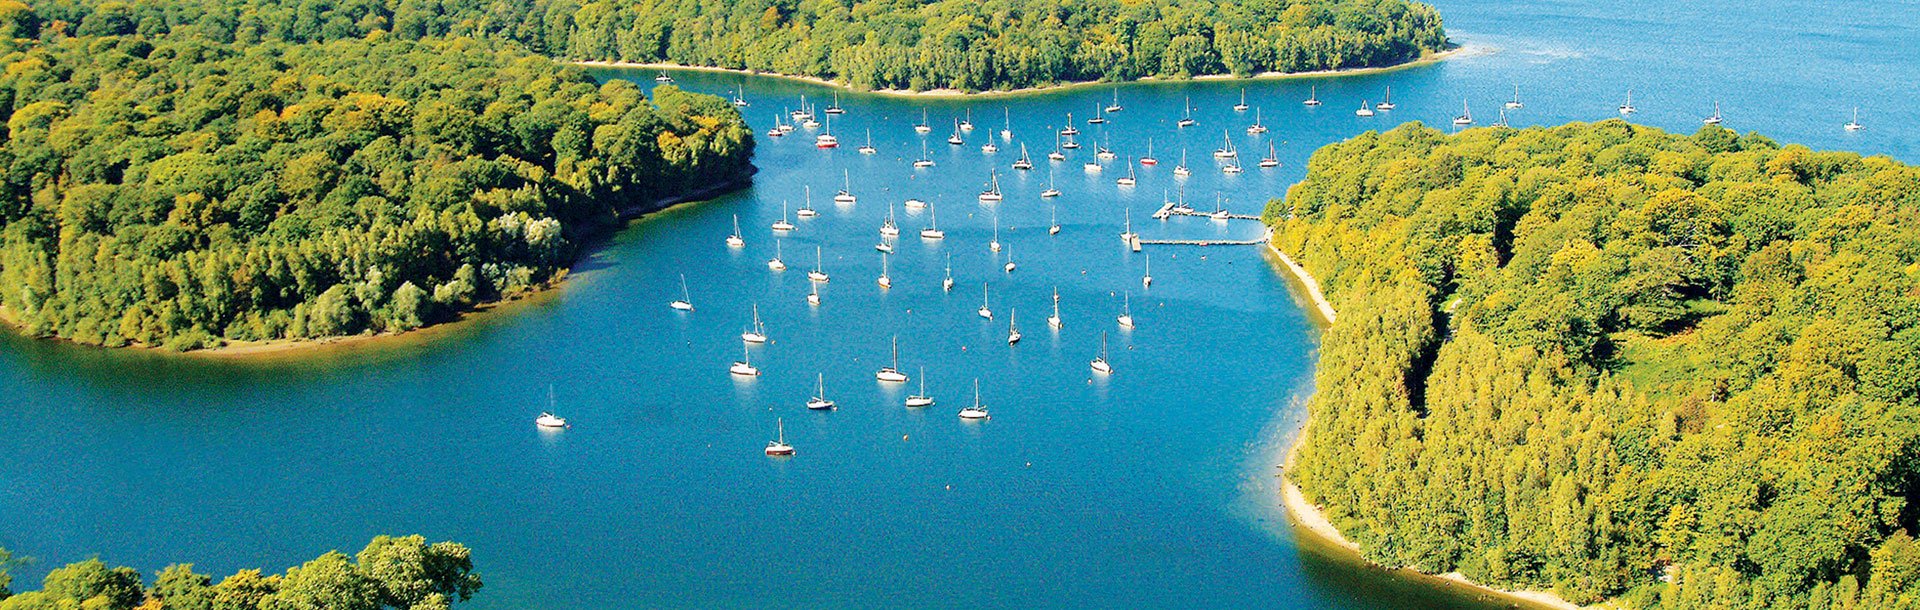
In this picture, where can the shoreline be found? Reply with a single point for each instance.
(1311, 520)
(481, 312)
(1423, 60)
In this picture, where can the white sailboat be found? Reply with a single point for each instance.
(819, 401)
(967, 124)
(1272, 159)
(779, 128)
(1051, 191)
(1128, 235)
(686, 302)
(1054, 320)
(745, 366)
(1186, 120)
(1056, 155)
(1092, 167)
(921, 399)
(1116, 102)
(1146, 279)
(887, 228)
(1386, 101)
(925, 160)
(868, 149)
(915, 204)
(1097, 117)
(783, 224)
(884, 280)
(735, 240)
(1006, 131)
(813, 295)
(1013, 330)
(947, 284)
(1149, 159)
(1466, 115)
(806, 204)
(1242, 106)
(955, 138)
(993, 188)
(756, 333)
(1105, 154)
(817, 274)
(1256, 128)
(995, 244)
(933, 227)
(1514, 104)
(1364, 110)
(739, 97)
(1226, 150)
(1628, 108)
(1854, 125)
(835, 108)
(826, 138)
(779, 447)
(775, 263)
(1099, 363)
(989, 148)
(1009, 266)
(1715, 119)
(547, 419)
(1181, 169)
(1070, 144)
(1313, 98)
(1053, 217)
(892, 374)
(922, 126)
(846, 191)
(984, 311)
(1070, 130)
(1128, 179)
(1023, 163)
(976, 411)
(1126, 310)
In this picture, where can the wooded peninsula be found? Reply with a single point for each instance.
(1613, 362)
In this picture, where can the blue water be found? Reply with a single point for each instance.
(1150, 488)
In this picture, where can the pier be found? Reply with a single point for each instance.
(1135, 242)
(1167, 211)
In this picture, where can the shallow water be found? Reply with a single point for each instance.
(1148, 488)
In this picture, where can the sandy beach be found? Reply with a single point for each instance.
(955, 93)
(1312, 520)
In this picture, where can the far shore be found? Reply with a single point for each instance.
(1311, 520)
(268, 349)
(1423, 60)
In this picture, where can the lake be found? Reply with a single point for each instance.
(1152, 487)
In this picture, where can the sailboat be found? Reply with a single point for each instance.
(1105, 154)
(1854, 125)
(1126, 311)
(775, 263)
(976, 411)
(778, 129)
(1092, 167)
(1219, 209)
(995, 244)
(1146, 279)
(1386, 102)
(1181, 206)
(892, 374)
(1128, 235)
(1514, 104)
(663, 78)
(955, 139)
(817, 274)
(933, 227)
(1097, 117)
(1006, 132)
(781, 124)
(806, 203)
(1051, 191)
(1313, 99)
(1009, 265)
(967, 124)
(947, 284)
(1128, 180)
(1023, 163)
(813, 296)
(835, 108)
(984, 311)
(1070, 144)
(1502, 121)
(745, 366)
(885, 281)
(1056, 155)
(989, 148)
(1364, 109)
(1099, 364)
(1272, 159)
(1149, 160)
(1715, 119)
(925, 160)
(993, 189)
(757, 333)
(686, 302)
(922, 399)
(819, 401)
(1466, 116)
(846, 190)
(1070, 130)
(1256, 128)
(735, 240)
(826, 139)
(922, 126)
(783, 224)
(1628, 108)
(1053, 228)
(1013, 330)
(547, 419)
(1186, 120)
(868, 149)
(779, 447)
(1181, 169)
(1054, 320)
(1226, 150)
(1116, 102)
(1232, 167)
(887, 228)
(739, 97)
(1242, 106)
(915, 204)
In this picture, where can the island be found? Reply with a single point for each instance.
(391, 573)
(1617, 364)
(182, 183)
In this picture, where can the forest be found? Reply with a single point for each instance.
(389, 574)
(1678, 372)
(176, 189)
(969, 45)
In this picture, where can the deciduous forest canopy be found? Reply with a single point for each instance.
(389, 574)
(169, 186)
(1583, 357)
(901, 44)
